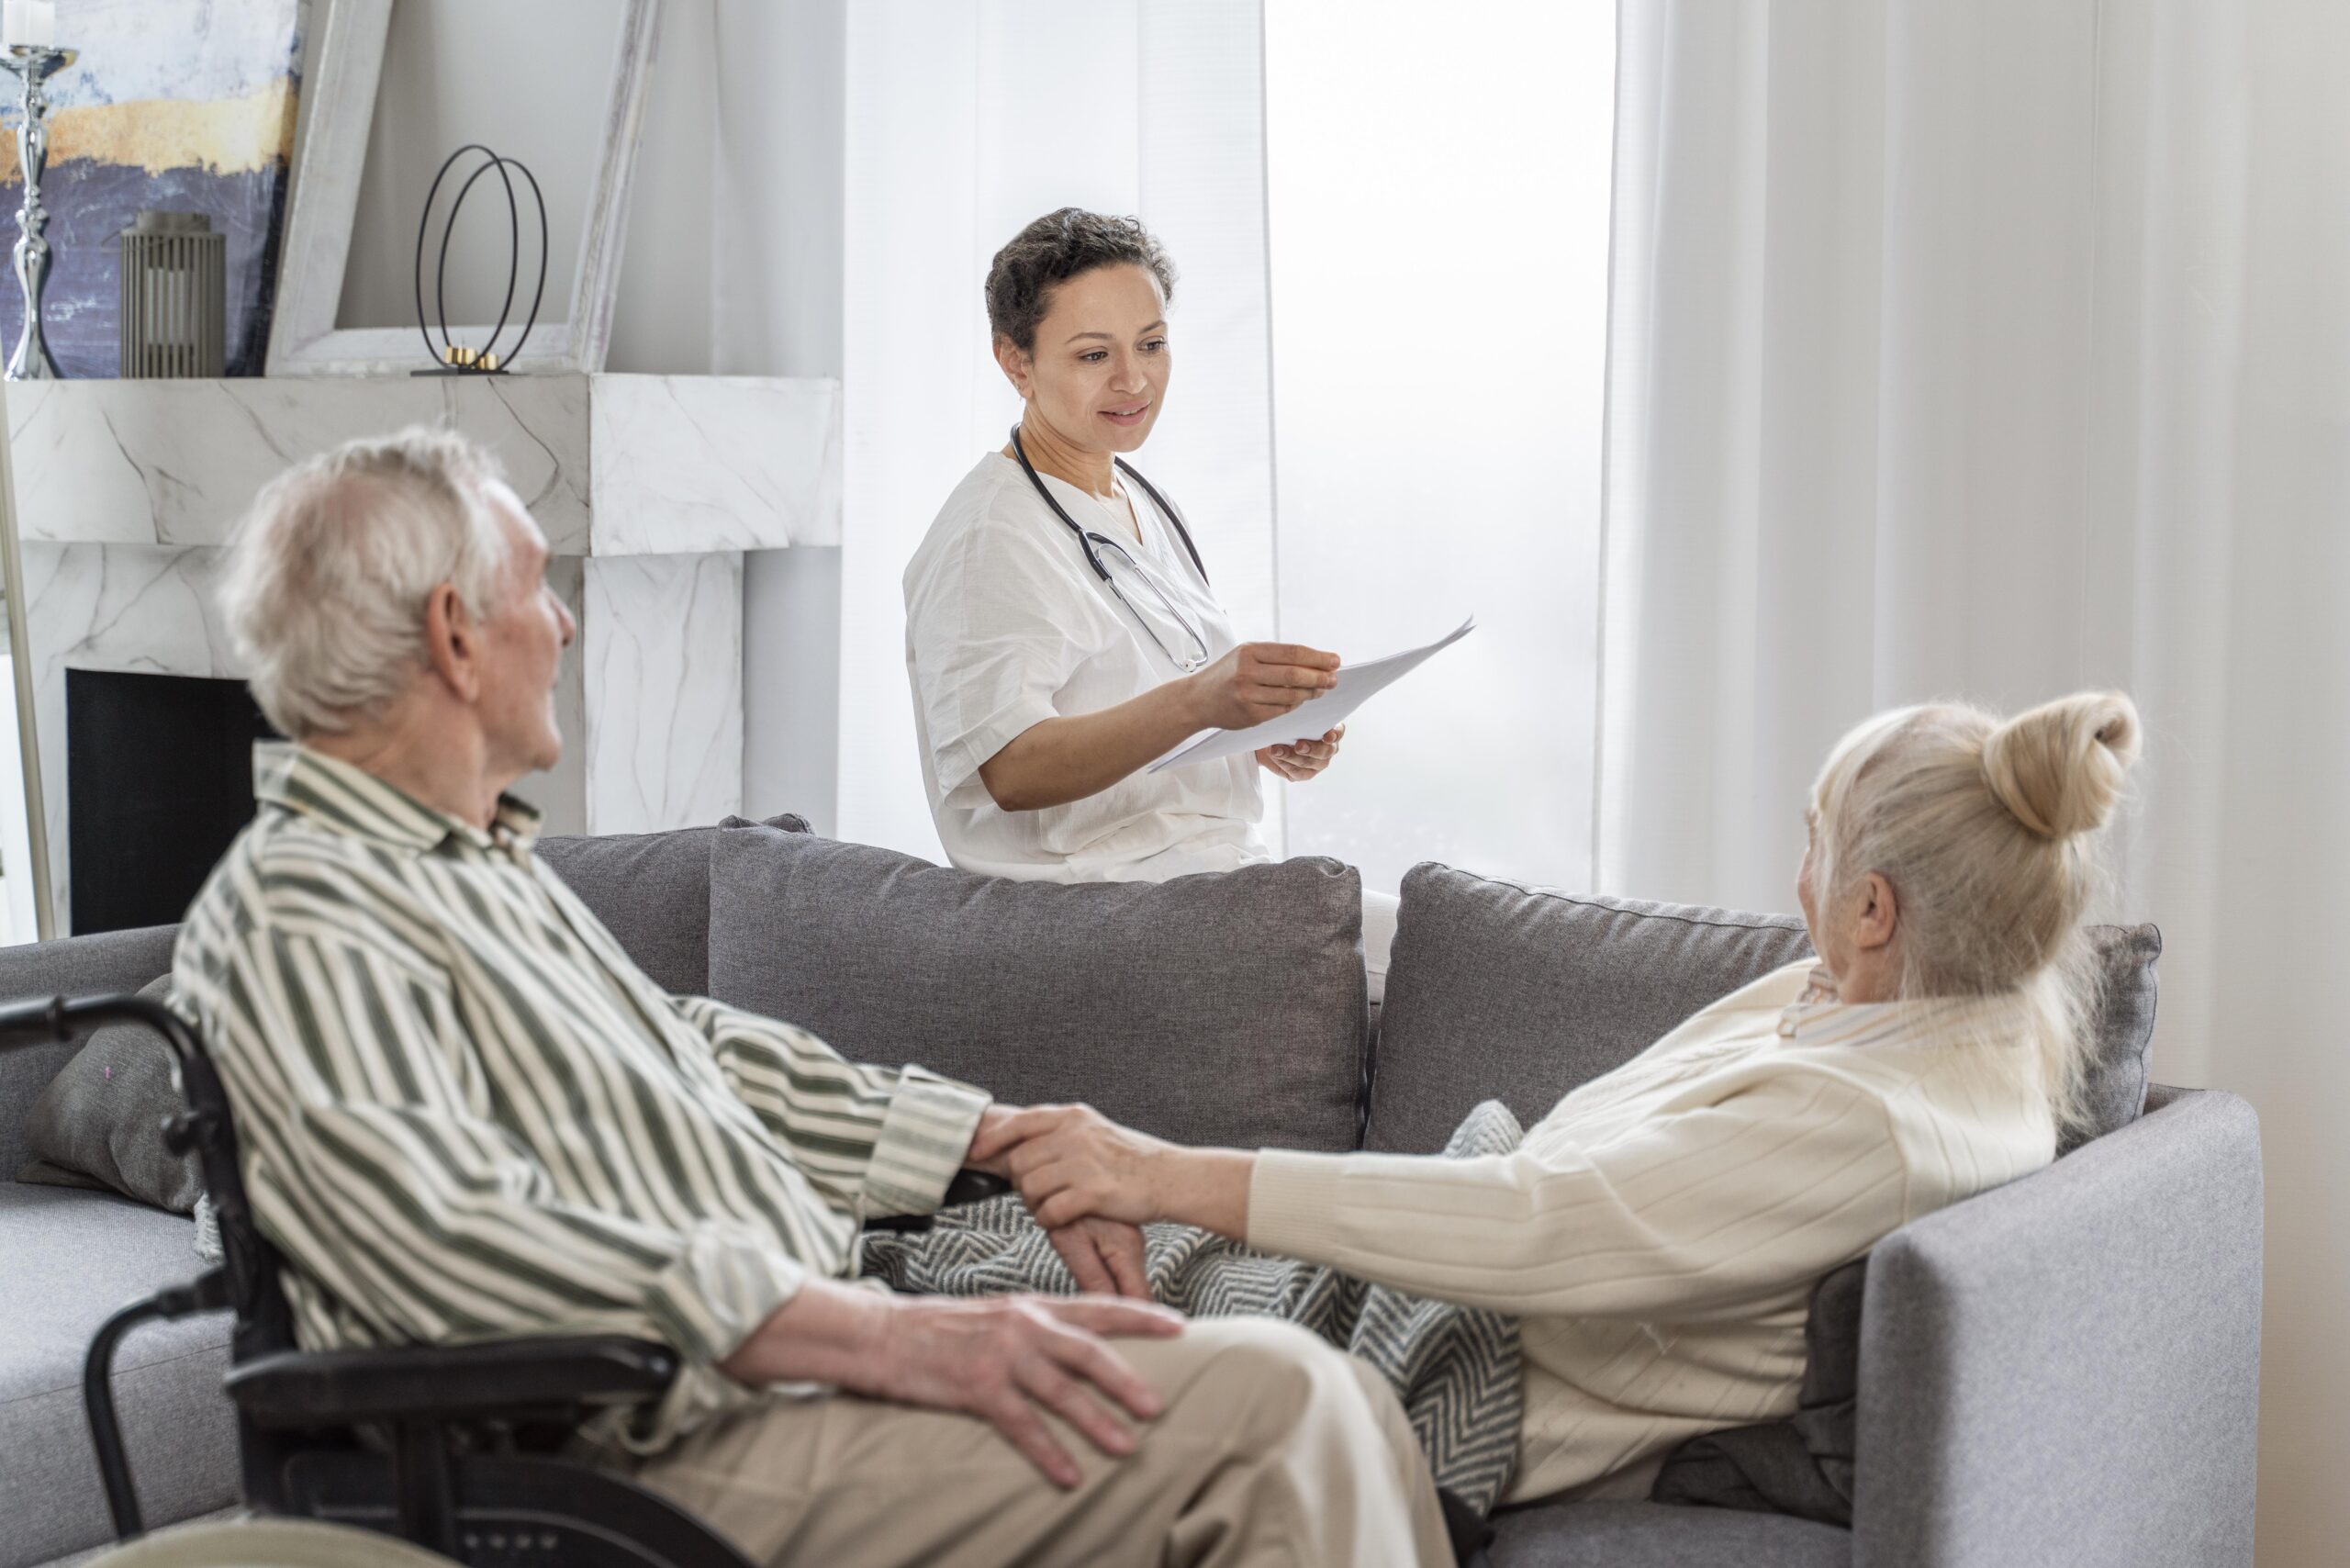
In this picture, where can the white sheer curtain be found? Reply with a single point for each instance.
(1996, 350)
(1437, 201)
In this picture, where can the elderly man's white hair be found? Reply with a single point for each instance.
(328, 573)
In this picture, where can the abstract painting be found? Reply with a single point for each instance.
(176, 105)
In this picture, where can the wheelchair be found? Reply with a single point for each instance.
(456, 1449)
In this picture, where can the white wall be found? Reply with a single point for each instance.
(776, 249)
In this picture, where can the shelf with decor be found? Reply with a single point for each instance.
(268, 257)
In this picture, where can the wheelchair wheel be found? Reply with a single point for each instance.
(269, 1543)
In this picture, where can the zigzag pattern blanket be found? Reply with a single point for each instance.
(1455, 1368)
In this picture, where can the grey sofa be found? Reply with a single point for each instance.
(2060, 1371)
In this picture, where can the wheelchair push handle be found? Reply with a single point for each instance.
(42, 1018)
(61, 1017)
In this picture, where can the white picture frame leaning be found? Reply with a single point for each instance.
(323, 203)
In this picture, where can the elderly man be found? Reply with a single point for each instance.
(466, 1115)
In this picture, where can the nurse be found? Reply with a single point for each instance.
(1061, 635)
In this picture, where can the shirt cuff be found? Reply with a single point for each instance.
(717, 1290)
(1294, 1203)
(925, 1135)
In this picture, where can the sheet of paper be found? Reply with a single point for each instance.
(1311, 719)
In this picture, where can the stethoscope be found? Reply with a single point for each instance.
(1093, 542)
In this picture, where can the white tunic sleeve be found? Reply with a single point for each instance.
(995, 628)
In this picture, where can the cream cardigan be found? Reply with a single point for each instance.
(1662, 1229)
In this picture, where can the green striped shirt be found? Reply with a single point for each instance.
(465, 1115)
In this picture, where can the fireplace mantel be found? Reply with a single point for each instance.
(609, 465)
(649, 490)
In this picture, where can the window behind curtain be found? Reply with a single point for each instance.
(1436, 198)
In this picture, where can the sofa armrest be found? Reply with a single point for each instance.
(511, 1378)
(2066, 1369)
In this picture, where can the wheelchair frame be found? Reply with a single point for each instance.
(449, 1447)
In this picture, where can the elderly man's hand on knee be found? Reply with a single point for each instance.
(1006, 1359)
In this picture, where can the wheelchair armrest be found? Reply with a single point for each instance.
(507, 1378)
(511, 1378)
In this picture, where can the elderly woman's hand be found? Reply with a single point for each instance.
(1301, 760)
(1070, 1163)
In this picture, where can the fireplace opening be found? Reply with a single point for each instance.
(159, 778)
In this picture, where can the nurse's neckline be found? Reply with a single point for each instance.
(1118, 493)
(1013, 457)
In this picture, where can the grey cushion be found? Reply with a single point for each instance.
(2066, 1369)
(1802, 1465)
(73, 1258)
(2115, 1093)
(1497, 990)
(73, 966)
(652, 892)
(1500, 990)
(1220, 1009)
(1650, 1535)
(101, 1119)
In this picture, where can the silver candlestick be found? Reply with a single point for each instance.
(33, 64)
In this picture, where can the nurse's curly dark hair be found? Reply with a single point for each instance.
(1057, 247)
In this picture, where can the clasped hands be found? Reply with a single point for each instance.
(1092, 1185)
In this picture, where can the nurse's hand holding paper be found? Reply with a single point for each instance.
(1061, 635)
(1258, 681)
(1298, 761)
(1057, 761)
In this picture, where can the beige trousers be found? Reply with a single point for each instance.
(1272, 1448)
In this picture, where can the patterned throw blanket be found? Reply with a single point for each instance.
(1455, 1368)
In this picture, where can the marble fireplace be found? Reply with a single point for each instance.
(649, 489)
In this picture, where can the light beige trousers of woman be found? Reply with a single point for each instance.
(1272, 1448)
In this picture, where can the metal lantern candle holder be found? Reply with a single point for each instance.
(451, 358)
(174, 296)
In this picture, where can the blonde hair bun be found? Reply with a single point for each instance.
(2059, 768)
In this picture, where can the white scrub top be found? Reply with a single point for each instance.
(1007, 626)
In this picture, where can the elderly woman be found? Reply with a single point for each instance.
(1659, 1232)
(1061, 635)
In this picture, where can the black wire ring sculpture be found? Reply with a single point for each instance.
(449, 356)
